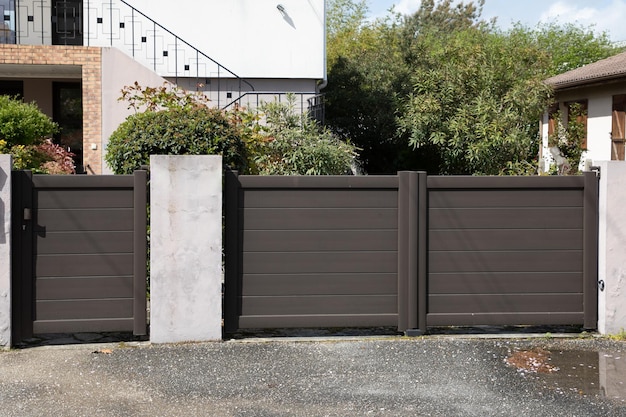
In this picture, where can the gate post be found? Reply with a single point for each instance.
(612, 247)
(5, 250)
(412, 252)
(185, 248)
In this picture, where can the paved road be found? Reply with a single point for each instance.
(431, 376)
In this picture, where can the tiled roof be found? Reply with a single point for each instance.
(605, 69)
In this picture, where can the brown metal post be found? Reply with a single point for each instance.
(422, 250)
(22, 257)
(231, 251)
(590, 261)
(140, 258)
(403, 250)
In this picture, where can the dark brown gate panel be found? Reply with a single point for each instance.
(89, 253)
(509, 251)
(311, 251)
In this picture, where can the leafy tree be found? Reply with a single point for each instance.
(476, 98)
(567, 141)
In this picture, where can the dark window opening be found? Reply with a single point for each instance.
(68, 113)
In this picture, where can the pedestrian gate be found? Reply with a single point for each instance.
(79, 263)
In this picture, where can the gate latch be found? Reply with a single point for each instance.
(601, 285)
(28, 214)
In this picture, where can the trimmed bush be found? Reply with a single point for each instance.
(176, 131)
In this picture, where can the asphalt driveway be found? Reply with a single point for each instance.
(382, 376)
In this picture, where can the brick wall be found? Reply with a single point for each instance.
(90, 60)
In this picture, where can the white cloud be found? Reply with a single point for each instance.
(407, 6)
(608, 16)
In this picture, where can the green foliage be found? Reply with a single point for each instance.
(294, 144)
(167, 96)
(476, 98)
(174, 131)
(569, 139)
(23, 123)
(568, 46)
(444, 90)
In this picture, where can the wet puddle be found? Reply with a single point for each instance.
(594, 373)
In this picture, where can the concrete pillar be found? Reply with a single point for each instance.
(5, 250)
(612, 247)
(185, 248)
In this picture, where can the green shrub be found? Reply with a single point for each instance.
(23, 123)
(174, 131)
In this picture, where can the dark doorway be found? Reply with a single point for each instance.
(67, 22)
(12, 88)
(68, 113)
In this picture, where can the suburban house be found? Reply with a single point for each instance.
(600, 90)
(73, 57)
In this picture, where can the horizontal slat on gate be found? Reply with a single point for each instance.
(507, 303)
(505, 198)
(86, 219)
(326, 304)
(505, 239)
(501, 319)
(348, 182)
(318, 320)
(84, 309)
(320, 198)
(84, 265)
(85, 242)
(74, 199)
(319, 262)
(514, 261)
(83, 181)
(318, 219)
(319, 240)
(62, 288)
(82, 326)
(506, 218)
(506, 282)
(319, 284)
(555, 182)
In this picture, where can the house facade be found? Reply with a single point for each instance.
(599, 90)
(73, 57)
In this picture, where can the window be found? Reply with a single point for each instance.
(617, 130)
(7, 22)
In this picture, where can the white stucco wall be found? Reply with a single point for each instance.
(5, 250)
(250, 37)
(114, 112)
(185, 248)
(612, 247)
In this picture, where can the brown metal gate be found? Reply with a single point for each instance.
(79, 263)
(410, 251)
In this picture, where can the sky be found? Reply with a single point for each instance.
(604, 15)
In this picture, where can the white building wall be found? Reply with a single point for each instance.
(252, 38)
(599, 121)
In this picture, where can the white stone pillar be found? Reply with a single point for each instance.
(5, 250)
(185, 248)
(612, 247)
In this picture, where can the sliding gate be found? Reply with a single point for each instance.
(410, 251)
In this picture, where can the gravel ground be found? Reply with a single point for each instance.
(349, 376)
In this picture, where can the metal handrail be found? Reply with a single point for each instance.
(177, 39)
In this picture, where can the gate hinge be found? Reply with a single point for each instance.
(596, 169)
